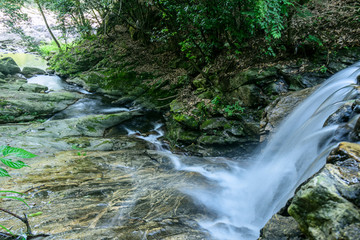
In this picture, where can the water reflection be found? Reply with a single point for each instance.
(26, 60)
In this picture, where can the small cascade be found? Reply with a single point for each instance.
(89, 105)
(244, 198)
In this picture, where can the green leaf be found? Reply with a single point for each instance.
(4, 191)
(35, 214)
(4, 173)
(15, 165)
(16, 152)
(15, 198)
(1, 226)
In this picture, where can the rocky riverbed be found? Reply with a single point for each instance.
(89, 184)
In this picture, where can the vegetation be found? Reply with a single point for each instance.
(7, 153)
(203, 29)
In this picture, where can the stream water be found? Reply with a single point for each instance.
(243, 197)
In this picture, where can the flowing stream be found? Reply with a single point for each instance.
(242, 196)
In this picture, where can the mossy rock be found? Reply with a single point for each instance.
(177, 108)
(220, 139)
(176, 132)
(327, 206)
(9, 66)
(250, 96)
(251, 76)
(29, 72)
(186, 120)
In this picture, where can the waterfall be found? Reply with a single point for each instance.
(243, 199)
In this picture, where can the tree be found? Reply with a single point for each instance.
(47, 25)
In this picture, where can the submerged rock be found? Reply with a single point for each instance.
(127, 194)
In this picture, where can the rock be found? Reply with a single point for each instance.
(199, 81)
(347, 117)
(126, 194)
(252, 76)
(29, 72)
(327, 206)
(337, 66)
(90, 81)
(281, 228)
(277, 87)
(9, 66)
(33, 87)
(250, 95)
(279, 109)
(87, 126)
(177, 108)
(18, 106)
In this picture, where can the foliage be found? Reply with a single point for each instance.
(80, 151)
(48, 49)
(228, 109)
(204, 28)
(7, 153)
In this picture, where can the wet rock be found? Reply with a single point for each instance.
(281, 228)
(29, 72)
(91, 125)
(81, 82)
(107, 195)
(279, 109)
(348, 121)
(9, 66)
(327, 207)
(17, 106)
(33, 87)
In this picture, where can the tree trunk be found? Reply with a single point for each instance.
(47, 25)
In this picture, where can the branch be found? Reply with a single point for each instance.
(24, 220)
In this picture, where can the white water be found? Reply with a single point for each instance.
(244, 199)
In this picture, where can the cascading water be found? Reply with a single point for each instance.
(247, 198)
(243, 199)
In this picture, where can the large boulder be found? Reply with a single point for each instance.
(29, 72)
(23, 102)
(327, 206)
(9, 66)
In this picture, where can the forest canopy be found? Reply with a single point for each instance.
(202, 29)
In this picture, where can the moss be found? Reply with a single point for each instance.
(91, 129)
(188, 136)
(186, 120)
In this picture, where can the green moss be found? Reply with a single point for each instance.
(186, 120)
(91, 129)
